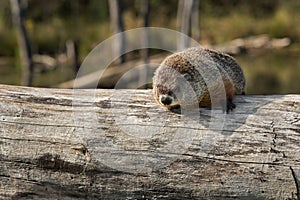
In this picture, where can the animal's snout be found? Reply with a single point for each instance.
(166, 100)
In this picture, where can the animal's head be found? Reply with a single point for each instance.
(165, 96)
(172, 89)
(166, 88)
(173, 82)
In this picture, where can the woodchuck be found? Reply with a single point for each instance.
(211, 76)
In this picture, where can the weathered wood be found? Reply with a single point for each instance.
(118, 144)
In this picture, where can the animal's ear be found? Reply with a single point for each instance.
(187, 76)
(176, 90)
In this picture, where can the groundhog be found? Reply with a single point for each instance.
(206, 75)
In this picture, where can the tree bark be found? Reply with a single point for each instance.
(24, 44)
(119, 144)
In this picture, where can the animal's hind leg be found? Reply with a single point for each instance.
(227, 105)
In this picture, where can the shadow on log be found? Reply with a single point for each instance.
(117, 144)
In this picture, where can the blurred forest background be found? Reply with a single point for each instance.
(58, 29)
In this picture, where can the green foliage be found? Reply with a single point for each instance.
(51, 24)
(244, 19)
(8, 43)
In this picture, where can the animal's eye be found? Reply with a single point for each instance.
(170, 93)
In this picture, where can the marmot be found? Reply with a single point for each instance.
(207, 72)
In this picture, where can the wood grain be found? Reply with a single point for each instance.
(119, 144)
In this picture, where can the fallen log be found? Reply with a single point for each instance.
(242, 45)
(119, 144)
(112, 74)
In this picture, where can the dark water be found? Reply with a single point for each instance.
(266, 71)
(11, 74)
(272, 71)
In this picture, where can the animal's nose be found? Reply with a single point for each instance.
(166, 100)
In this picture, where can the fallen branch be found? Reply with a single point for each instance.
(112, 74)
(118, 144)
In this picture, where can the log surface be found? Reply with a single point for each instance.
(119, 144)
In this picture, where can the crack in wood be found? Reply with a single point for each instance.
(39, 141)
(274, 133)
(48, 100)
(43, 125)
(20, 178)
(296, 181)
(65, 167)
(236, 161)
(83, 150)
(274, 137)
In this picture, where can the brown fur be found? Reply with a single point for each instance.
(187, 64)
(205, 100)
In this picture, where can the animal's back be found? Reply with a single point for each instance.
(208, 72)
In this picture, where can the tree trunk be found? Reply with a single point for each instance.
(119, 144)
(24, 44)
(184, 22)
(144, 71)
(195, 24)
(72, 51)
(117, 24)
(145, 14)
